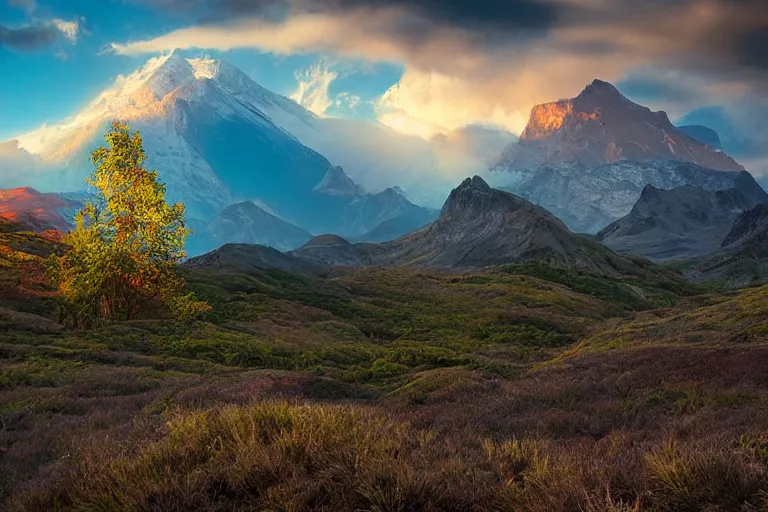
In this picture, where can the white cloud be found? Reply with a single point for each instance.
(348, 101)
(69, 29)
(313, 85)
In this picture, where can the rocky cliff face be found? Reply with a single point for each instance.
(681, 223)
(600, 126)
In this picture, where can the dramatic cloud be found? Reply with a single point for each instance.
(313, 84)
(31, 37)
(489, 61)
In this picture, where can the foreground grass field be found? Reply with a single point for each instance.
(518, 388)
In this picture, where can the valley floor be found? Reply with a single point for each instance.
(514, 388)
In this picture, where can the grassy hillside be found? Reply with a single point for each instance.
(516, 388)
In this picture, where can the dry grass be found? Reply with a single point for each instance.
(297, 457)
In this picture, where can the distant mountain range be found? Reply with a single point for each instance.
(372, 217)
(478, 227)
(256, 168)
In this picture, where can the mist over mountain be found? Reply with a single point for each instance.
(703, 134)
(246, 222)
(218, 137)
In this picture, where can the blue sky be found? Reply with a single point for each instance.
(419, 66)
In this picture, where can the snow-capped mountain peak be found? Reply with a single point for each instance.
(175, 71)
(143, 93)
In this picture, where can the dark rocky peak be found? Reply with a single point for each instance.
(473, 197)
(601, 89)
(474, 202)
(650, 192)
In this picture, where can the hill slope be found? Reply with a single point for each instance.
(35, 211)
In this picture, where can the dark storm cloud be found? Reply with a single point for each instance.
(479, 15)
(28, 38)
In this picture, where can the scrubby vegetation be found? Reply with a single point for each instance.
(519, 388)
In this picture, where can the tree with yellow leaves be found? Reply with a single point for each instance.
(122, 254)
